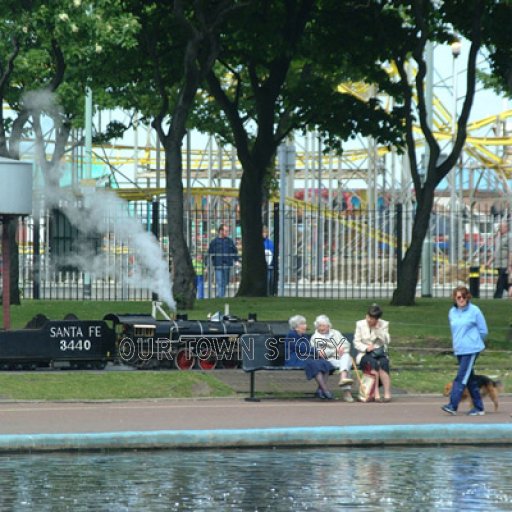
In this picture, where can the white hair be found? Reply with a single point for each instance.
(322, 320)
(295, 321)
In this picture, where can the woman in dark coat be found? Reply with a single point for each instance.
(299, 352)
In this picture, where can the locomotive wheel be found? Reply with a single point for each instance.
(184, 359)
(207, 360)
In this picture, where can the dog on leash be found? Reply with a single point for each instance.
(488, 387)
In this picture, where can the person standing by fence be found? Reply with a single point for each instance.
(268, 247)
(197, 263)
(502, 259)
(223, 254)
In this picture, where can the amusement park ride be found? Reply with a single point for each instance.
(365, 177)
(485, 165)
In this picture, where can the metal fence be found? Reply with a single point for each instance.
(325, 253)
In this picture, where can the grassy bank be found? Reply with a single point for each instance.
(70, 385)
(419, 352)
(427, 322)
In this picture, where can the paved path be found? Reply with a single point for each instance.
(200, 414)
(178, 423)
(218, 423)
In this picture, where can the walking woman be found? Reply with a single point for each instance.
(469, 329)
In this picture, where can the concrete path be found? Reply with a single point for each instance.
(233, 422)
(79, 417)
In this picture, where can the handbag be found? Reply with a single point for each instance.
(378, 352)
(366, 388)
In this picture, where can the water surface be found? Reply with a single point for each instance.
(416, 478)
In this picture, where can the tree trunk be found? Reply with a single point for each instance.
(254, 268)
(183, 275)
(408, 270)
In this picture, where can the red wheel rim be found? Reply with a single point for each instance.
(184, 359)
(207, 361)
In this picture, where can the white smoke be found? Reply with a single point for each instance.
(102, 213)
(42, 101)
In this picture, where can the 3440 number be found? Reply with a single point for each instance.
(78, 345)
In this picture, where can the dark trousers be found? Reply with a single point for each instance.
(466, 377)
(501, 283)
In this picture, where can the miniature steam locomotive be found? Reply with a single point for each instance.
(136, 340)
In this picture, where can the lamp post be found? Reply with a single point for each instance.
(427, 256)
(456, 47)
(286, 162)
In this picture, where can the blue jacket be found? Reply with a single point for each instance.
(469, 329)
(268, 247)
(298, 349)
(223, 252)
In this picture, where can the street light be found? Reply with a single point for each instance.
(456, 47)
(286, 162)
(427, 274)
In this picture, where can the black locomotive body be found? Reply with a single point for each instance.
(145, 342)
(87, 344)
(136, 340)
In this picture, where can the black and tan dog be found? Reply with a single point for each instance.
(488, 387)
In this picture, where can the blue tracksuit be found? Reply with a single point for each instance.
(469, 330)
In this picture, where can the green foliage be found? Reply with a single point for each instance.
(114, 130)
(152, 65)
(290, 73)
(77, 31)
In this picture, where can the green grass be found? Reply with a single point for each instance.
(109, 385)
(416, 333)
(428, 381)
(425, 324)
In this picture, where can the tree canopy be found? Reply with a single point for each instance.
(252, 73)
(47, 56)
(278, 77)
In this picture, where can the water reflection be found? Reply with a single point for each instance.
(454, 478)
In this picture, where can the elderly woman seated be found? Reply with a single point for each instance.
(299, 352)
(337, 351)
(371, 339)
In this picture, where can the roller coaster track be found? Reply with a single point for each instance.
(493, 153)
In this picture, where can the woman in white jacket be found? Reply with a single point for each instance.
(371, 340)
(337, 351)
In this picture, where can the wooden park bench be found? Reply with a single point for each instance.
(262, 352)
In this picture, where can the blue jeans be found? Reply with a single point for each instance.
(200, 287)
(270, 281)
(466, 377)
(221, 280)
